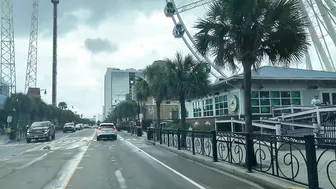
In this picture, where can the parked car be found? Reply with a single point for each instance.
(106, 131)
(40, 130)
(69, 127)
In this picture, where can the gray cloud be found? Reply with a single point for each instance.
(99, 45)
(100, 10)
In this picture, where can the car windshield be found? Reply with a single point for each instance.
(39, 124)
(69, 124)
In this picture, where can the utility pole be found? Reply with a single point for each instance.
(54, 62)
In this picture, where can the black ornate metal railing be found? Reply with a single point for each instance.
(307, 160)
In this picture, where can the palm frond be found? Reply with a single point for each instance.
(234, 31)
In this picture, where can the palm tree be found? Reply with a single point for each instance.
(141, 92)
(247, 32)
(187, 78)
(63, 105)
(158, 87)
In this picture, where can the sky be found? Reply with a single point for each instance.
(94, 35)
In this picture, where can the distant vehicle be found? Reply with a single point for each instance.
(106, 131)
(78, 127)
(69, 127)
(40, 130)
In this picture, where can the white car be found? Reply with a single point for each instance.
(69, 127)
(106, 131)
(78, 127)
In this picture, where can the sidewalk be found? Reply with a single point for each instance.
(265, 180)
(4, 139)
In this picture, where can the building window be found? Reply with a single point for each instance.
(197, 109)
(221, 105)
(208, 107)
(262, 101)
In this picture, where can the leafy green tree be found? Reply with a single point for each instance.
(125, 109)
(186, 78)
(26, 110)
(248, 31)
(63, 105)
(158, 87)
(20, 107)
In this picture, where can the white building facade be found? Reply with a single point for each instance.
(271, 87)
(117, 84)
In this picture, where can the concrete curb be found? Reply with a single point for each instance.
(264, 180)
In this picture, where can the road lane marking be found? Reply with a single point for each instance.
(120, 179)
(164, 165)
(74, 168)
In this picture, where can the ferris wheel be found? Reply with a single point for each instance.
(321, 17)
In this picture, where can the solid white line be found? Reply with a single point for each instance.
(120, 179)
(164, 165)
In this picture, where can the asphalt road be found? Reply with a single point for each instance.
(15, 148)
(131, 163)
(78, 161)
(42, 165)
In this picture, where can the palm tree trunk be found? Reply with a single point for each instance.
(158, 112)
(250, 157)
(183, 117)
(183, 111)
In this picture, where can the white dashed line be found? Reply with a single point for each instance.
(164, 165)
(120, 179)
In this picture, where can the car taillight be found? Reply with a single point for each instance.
(99, 128)
(114, 128)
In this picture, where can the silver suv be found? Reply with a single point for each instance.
(106, 131)
(69, 127)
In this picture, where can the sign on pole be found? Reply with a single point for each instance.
(9, 119)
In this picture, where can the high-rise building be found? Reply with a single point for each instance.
(117, 85)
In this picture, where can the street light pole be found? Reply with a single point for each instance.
(54, 61)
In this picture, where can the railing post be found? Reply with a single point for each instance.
(160, 135)
(278, 131)
(148, 133)
(178, 139)
(214, 146)
(193, 142)
(168, 140)
(318, 117)
(249, 152)
(232, 125)
(261, 128)
(311, 162)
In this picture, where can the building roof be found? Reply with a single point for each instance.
(279, 73)
(120, 70)
(34, 92)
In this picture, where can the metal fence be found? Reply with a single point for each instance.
(306, 160)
